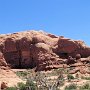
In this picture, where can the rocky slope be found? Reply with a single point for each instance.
(40, 50)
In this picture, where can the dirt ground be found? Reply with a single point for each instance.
(9, 77)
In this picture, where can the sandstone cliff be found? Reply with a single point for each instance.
(32, 49)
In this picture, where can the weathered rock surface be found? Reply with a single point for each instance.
(44, 51)
(3, 85)
(2, 60)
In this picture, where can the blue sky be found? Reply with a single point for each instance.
(69, 18)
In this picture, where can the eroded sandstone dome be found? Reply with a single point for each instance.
(38, 49)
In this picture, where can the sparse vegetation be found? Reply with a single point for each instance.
(71, 87)
(30, 85)
(46, 81)
(41, 81)
(85, 87)
(21, 86)
(11, 88)
(70, 77)
(86, 78)
(22, 73)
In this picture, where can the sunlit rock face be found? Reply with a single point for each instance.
(40, 50)
(70, 47)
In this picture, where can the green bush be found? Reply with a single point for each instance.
(21, 86)
(71, 87)
(11, 88)
(86, 78)
(70, 77)
(85, 87)
(30, 84)
(21, 73)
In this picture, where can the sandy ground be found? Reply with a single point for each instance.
(9, 77)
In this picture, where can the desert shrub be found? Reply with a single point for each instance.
(71, 87)
(85, 87)
(70, 77)
(86, 78)
(30, 84)
(21, 86)
(21, 73)
(11, 88)
(61, 79)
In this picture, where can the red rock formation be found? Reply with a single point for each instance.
(38, 49)
(3, 86)
(67, 47)
(2, 60)
(78, 56)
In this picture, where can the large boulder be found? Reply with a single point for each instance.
(43, 56)
(3, 85)
(67, 47)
